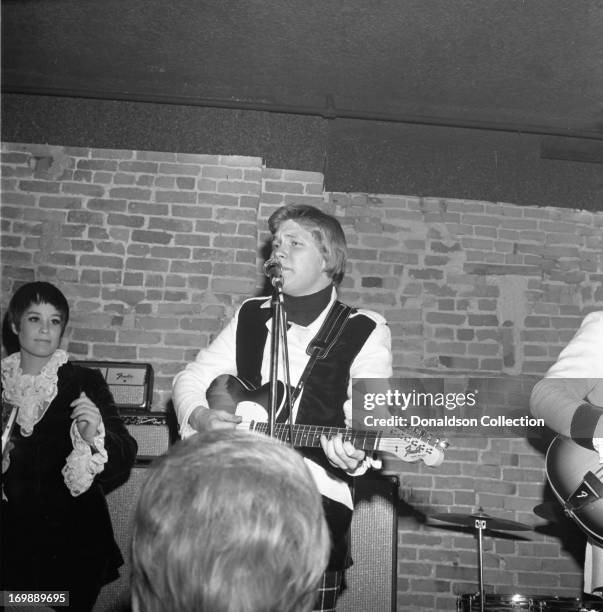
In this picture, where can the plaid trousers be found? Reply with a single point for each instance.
(328, 591)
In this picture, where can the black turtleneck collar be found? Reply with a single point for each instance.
(303, 309)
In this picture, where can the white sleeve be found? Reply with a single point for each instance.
(82, 465)
(374, 360)
(577, 374)
(583, 356)
(190, 385)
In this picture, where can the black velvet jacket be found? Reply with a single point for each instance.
(50, 539)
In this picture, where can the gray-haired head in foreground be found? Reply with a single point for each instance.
(228, 521)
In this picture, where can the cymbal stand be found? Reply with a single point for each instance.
(480, 524)
(480, 521)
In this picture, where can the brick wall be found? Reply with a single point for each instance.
(155, 250)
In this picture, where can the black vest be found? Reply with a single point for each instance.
(326, 389)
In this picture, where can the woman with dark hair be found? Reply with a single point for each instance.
(69, 447)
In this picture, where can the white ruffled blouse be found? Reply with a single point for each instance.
(33, 394)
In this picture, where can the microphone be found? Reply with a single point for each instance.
(274, 271)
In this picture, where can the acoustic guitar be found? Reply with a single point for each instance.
(236, 396)
(576, 477)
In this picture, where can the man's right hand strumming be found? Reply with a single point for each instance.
(206, 419)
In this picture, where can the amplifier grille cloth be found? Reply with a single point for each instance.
(372, 579)
(114, 597)
(131, 383)
(153, 440)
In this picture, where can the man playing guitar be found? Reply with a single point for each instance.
(570, 400)
(310, 249)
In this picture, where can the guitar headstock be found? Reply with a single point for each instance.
(414, 446)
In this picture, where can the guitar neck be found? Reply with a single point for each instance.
(233, 395)
(309, 435)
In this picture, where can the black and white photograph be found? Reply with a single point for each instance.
(302, 306)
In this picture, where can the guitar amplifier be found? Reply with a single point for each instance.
(131, 383)
(115, 596)
(371, 581)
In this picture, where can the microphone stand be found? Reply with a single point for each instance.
(279, 336)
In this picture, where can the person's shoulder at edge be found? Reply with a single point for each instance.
(581, 356)
(593, 318)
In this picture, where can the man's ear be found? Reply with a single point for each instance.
(325, 263)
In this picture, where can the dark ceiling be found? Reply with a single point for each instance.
(529, 66)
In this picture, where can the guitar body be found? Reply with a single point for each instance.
(576, 477)
(227, 392)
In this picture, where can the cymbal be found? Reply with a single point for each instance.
(468, 520)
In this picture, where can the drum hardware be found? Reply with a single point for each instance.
(480, 521)
(524, 603)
